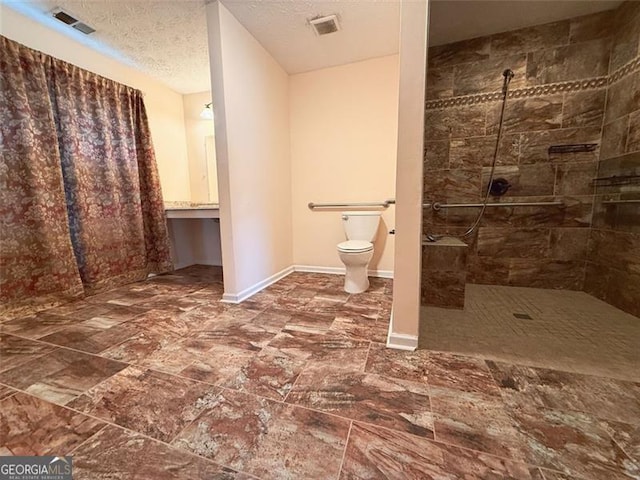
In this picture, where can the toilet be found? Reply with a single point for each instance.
(356, 253)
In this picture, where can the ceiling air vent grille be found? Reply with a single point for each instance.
(68, 19)
(325, 25)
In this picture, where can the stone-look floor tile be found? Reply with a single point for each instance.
(248, 336)
(60, 376)
(443, 370)
(627, 436)
(360, 327)
(217, 364)
(601, 397)
(15, 351)
(571, 443)
(334, 349)
(90, 339)
(30, 426)
(474, 421)
(406, 365)
(156, 404)
(379, 453)
(6, 392)
(272, 320)
(167, 322)
(260, 300)
(310, 322)
(116, 454)
(271, 373)
(140, 346)
(369, 300)
(275, 441)
(323, 306)
(175, 356)
(38, 325)
(387, 402)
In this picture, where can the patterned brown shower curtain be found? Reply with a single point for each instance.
(77, 151)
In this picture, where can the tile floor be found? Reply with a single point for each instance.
(159, 380)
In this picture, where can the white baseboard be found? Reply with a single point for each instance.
(252, 290)
(339, 271)
(400, 341)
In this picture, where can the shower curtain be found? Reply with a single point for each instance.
(80, 197)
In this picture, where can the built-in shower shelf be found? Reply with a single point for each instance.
(573, 148)
(617, 180)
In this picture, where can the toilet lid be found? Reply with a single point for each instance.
(355, 246)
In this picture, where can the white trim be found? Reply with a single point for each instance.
(248, 292)
(339, 271)
(400, 341)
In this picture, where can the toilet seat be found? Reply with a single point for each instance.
(355, 246)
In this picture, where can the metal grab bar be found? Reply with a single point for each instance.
(439, 206)
(612, 202)
(384, 204)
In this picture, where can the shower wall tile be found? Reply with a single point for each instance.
(457, 122)
(540, 246)
(453, 185)
(513, 242)
(584, 109)
(525, 180)
(615, 249)
(485, 75)
(569, 243)
(439, 83)
(571, 62)
(527, 114)
(560, 274)
(478, 151)
(633, 137)
(436, 155)
(614, 138)
(575, 178)
(540, 36)
(535, 145)
(460, 52)
(613, 268)
(623, 97)
(625, 44)
(591, 27)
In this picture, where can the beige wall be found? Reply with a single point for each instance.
(202, 170)
(343, 149)
(406, 287)
(250, 91)
(164, 106)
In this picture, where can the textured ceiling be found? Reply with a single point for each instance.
(168, 39)
(369, 28)
(165, 39)
(453, 20)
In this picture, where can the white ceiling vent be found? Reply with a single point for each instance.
(325, 25)
(68, 19)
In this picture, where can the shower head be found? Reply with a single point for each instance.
(508, 74)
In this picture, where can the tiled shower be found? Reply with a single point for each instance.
(577, 82)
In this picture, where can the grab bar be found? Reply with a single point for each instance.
(612, 202)
(384, 204)
(438, 206)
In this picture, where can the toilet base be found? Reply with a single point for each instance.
(356, 279)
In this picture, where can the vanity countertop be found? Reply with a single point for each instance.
(191, 210)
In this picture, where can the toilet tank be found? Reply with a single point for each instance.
(360, 225)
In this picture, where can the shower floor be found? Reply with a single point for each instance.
(559, 329)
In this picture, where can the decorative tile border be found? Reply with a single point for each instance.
(538, 90)
(625, 70)
(535, 91)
